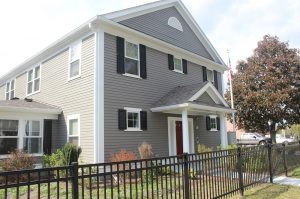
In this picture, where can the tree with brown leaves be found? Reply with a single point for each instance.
(265, 87)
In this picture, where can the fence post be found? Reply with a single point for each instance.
(186, 175)
(284, 159)
(74, 170)
(270, 162)
(240, 170)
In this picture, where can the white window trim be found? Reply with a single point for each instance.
(21, 134)
(133, 110)
(70, 61)
(9, 90)
(213, 117)
(73, 117)
(138, 60)
(33, 68)
(213, 76)
(176, 70)
(41, 135)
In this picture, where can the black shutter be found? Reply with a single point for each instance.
(218, 123)
(47, 140)
(171, 61)
(143, 70)
(120, 55)
(216, 79)
(143, 116)
(208, 123)
(204, 73)
(122, 119)
(184, 66)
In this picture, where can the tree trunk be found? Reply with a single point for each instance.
(273, 133)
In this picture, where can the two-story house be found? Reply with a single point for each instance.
(143, 74)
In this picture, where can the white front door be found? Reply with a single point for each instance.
(172, 135)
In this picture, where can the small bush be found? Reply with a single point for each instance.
(18, 160)
(145, 151)
(53, 160)
(123, 155)
(201, 148)
(70, 153)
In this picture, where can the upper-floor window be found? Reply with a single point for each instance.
(33, 80)
(132, 59)
(10, 90)
(210, 76)
(178, 65)
(74, 65)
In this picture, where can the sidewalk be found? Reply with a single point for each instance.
(287, 181)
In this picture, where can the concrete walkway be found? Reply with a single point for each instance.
(287, 181)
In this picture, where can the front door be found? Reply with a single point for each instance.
(179, 145)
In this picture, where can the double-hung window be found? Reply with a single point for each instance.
(133, 119)
(8, 136)
(10, 90)
(210, 76)
(213, 123)
(178, 65)
(132, 59)
(74, 65)
(33, 80)
(32, 140)
(74, 129)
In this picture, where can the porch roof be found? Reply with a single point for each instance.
(188, 97)
(29, 106)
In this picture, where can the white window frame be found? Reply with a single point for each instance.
(14, 137)
(138, 59)
(176, 70)
(31, 136)
(33, 80)
(133, 110)
(213, 76)
(71, 61)
(73, 117)
(10, 89)
(214, 117)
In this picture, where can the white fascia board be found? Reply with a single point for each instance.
(9, 114)
(192, 106)
(30, 110)
(117, 29)
(54, 48)
(215, 95)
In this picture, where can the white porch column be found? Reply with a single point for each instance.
(185, 132)
(223, 130)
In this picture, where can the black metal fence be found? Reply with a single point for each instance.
(216, 174)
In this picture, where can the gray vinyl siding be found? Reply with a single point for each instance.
(208, 138)
(122, 91)
(206, 99)
(74, 97)
(156, 24)
(220, 88)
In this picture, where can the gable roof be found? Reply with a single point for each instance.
(190, 94)
(159, 5)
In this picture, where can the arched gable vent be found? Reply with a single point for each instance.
(174, 22)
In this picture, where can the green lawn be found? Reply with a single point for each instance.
(295, 173)
(272, 191)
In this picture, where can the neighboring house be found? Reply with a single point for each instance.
(238, 132)
(146, 73)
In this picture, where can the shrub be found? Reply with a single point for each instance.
(145, 150)
(123, 155)
(70, 153)
(201, 148)
(65, 156)
(53, 160)
(18, 160)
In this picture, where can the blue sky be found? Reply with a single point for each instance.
(29, 26)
